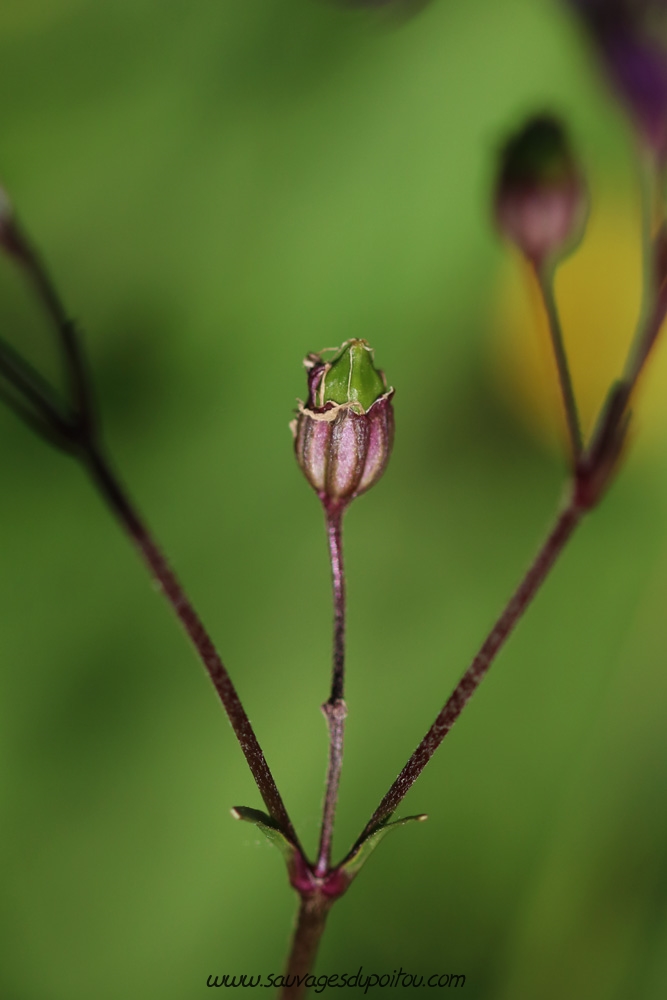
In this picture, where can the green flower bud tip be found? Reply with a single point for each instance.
(343, 436)
(351, 377)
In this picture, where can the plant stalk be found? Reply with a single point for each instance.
(566, 522)
(335, 716)
(117, 499)
(311, 921)
(545, 278)
(334, 516)
(334, 709)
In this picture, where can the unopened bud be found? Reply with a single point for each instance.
(540, 201)
(344, 433)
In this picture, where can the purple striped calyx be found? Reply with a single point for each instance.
(344, 432)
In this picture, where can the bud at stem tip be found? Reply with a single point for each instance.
(540, 199)
(344, 434)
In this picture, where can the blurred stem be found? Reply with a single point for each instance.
(334, 709)
(545, 275)
(74, 430)
(651, 223)
(311, 921)
(593, 470)
(614, 413)
(117, 499)
(16, 243)
(654, 266)
(566, 522)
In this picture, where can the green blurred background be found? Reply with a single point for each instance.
(219, 189)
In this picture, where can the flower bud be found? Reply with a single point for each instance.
(344, 433)
(540, 201)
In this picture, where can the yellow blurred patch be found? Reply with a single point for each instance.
(599, 296)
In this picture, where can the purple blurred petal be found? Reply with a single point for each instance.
(630, 37)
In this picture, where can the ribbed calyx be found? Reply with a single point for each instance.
(344, 432)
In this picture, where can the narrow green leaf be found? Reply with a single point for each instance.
(269, 828)
(355, 862)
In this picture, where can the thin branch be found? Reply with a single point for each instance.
(115, 496)
(335, 716)
(43, 428)
(79, 432)
(34, 389)
(545, 279)
(566, 523)
(334, 515)
(16, 243)
(334, 709)
(653, 309)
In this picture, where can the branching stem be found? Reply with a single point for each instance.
(75, 430)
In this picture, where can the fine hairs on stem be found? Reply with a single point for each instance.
(343, 438)
(334, 709)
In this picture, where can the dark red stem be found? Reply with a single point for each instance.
(311, 921)
(334, 516)
(334, 709)
(335, 716)
(115, 496)
(553, 546)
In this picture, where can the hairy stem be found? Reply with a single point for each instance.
(311, 921)
(334, 709)
(566, 523)
(335, 716)
(334, 516)
(116, 498)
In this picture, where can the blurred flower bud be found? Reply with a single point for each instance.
(630, 37)
(540, 198)
(343, 435)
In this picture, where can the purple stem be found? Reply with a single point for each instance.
(553, 546)
(311, 921)
(76, 430)
(335, 716)
(334, 515)
(115, 496)
(334, 709)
